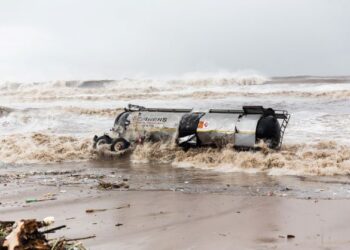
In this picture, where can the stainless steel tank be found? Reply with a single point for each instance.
(190, 128)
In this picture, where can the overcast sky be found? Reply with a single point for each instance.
(82, 39)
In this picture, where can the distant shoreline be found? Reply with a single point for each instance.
(309, 79)
(96, 82)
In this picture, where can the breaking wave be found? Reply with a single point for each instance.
(336, 94)
(107, 112)
(193, 86)
(152, 93)
(122, 89)
(192, 79)
(323, 158)
(5, 111)
(43, 148)
(225, 79)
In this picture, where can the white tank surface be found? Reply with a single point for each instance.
(242, 128)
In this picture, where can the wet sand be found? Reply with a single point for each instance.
(175, 220)
(181, 209)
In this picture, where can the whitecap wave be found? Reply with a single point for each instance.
(196, 86)
(323, 158)
(5, 111)
(43, 148)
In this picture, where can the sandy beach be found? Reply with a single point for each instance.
(174, 220)
(157, 218)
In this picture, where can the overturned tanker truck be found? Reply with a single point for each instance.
(193, 128)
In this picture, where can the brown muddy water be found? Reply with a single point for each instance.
(48, 127)
(164, 177)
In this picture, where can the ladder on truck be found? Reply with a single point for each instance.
(283, 114)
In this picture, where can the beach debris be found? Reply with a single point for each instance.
(69, 244)
(5, 229)
(63, 172)
(81, 238)
(94, 210)
(53, 230)
(319, 190)
(118, 224)
(63, 244)
(32, 200)
(288, 236)
(49, 220)
(46, 197)
(26, 234)
(125, 206)
(105, 209)
(110, 185)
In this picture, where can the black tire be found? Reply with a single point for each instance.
(119, 145)
(102, 140)
(269, 130)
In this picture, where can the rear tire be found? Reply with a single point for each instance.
(120, 144)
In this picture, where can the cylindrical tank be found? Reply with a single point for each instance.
(188, 128)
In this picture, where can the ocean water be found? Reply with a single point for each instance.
(54, 122)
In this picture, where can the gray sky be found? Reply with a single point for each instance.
(82, 39)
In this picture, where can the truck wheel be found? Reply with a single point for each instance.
(99, 141)
(120, 144)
